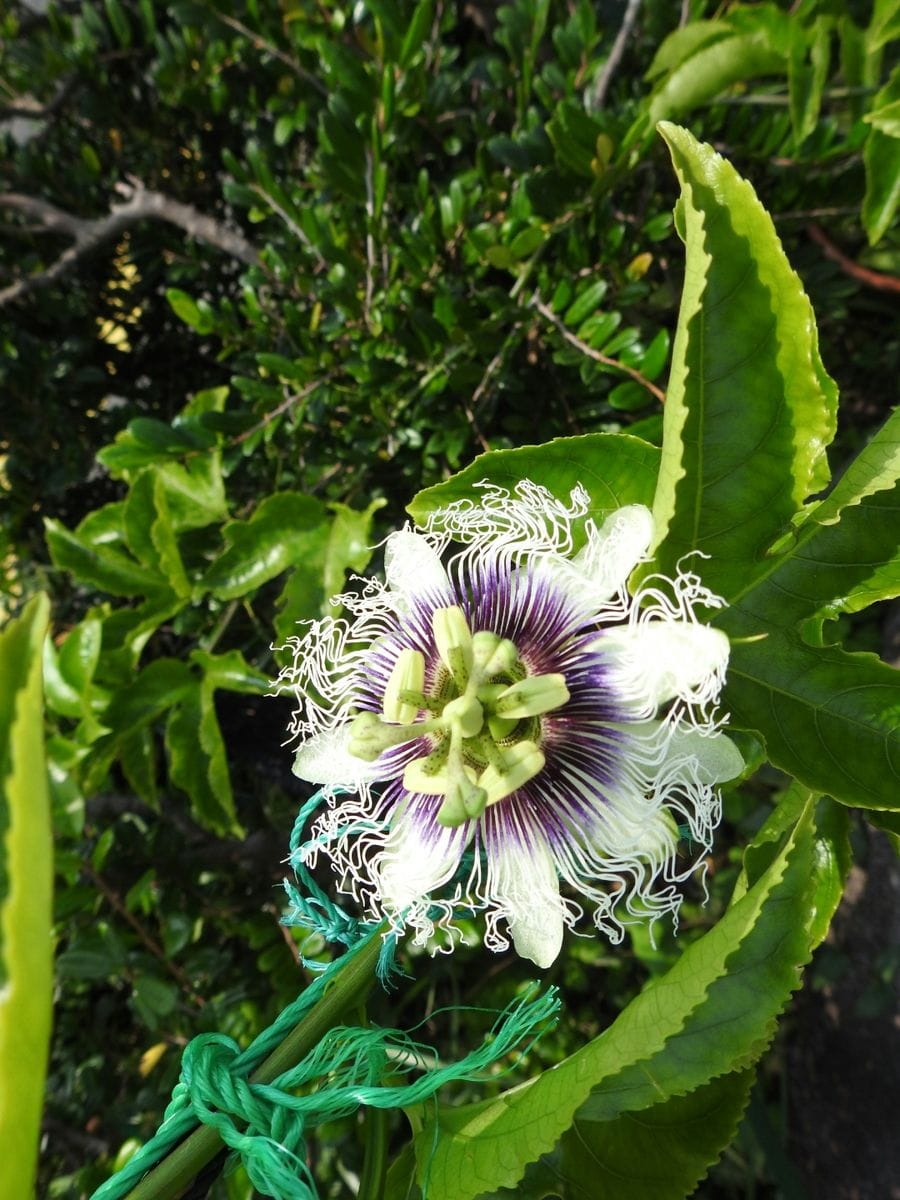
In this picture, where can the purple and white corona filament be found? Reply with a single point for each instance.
(491, 721)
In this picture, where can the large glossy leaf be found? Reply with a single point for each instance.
(662, 1151)
(846, 553)
(749, 409)
(710, 1014)
(830, 718)
(273, 539)
(614, 469)
(26, 874)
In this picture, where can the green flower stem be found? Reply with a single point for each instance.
(375, 1161)
(170, 1177)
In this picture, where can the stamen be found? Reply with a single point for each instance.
(407, 676)
(531, 696)
(453, 640)
(370, 736)
(522, 762)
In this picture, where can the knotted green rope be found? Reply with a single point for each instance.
(247, 1099)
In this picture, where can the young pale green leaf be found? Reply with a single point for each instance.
(712, 1013)
(845, 554)
(26, 915)
(274, 538)
(714, 63)
(614, 469)
(881, 158)
(750, 408)
(683, 43)
(829, 718)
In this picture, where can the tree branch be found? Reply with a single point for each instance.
(140, 204)
(570, 337)
(864, 275)
(604, 79)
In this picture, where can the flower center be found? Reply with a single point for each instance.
(481, 716)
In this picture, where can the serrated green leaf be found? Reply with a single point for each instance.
(614, 468)
(157, 688)
(881, 158)
(197, 762)
(663, 1151)
(26, 880)
(829, 718)
(165, 542)
(273, 539)
(832, 854)
(100, 565)
(845, 555)
(750, 408)
(712, 1013)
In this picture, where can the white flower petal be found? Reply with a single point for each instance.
(525, 888)
(326, 760)
(652, 662)
(708, 758)
(412, 567)
(417, 859)
(651, 839)
(612, 553)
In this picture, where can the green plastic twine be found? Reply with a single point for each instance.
(267, 1124)
(313, 909)
(247, 1100)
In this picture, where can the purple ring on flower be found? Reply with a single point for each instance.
(518, 704)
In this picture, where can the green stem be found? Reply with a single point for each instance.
(374, 1171)
(169, 1178)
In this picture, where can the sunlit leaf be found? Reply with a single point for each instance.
(26, 875)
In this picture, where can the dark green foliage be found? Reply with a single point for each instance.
(451, 247)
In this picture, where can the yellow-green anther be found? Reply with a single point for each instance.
(408, 675)
(370, 736)
(522, 762)
(532, 696)
(465, 714)
(428, 778)
(453, 639)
